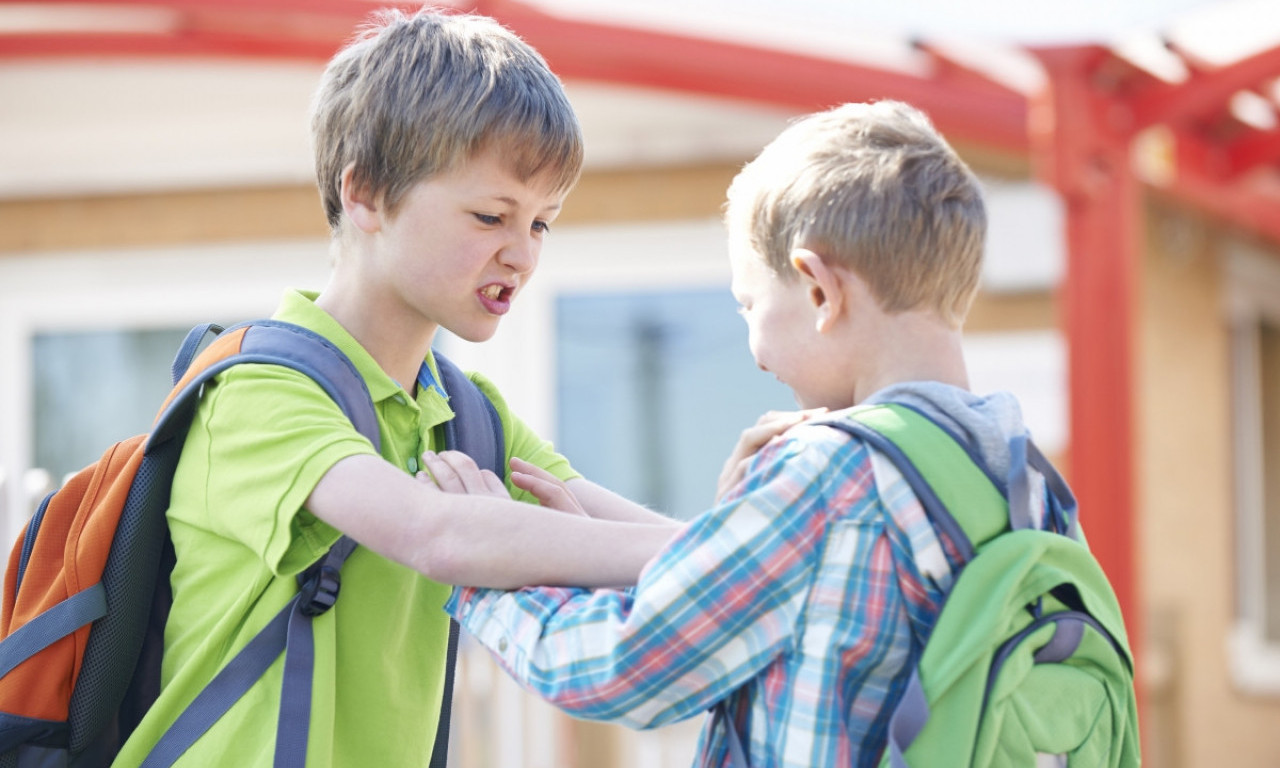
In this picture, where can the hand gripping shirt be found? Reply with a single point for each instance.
(802, 601)
(262, 438)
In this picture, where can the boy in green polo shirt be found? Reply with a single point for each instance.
(444, 150)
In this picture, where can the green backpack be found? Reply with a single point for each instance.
(1028, 663)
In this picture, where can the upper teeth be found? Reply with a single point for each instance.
(492, 291)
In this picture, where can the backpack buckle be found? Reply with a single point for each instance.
(318, 589)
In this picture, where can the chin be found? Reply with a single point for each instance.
(475, 337)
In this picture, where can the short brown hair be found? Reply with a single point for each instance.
(874, 188)
(417, 95)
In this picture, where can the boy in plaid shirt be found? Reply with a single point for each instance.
(798, 605)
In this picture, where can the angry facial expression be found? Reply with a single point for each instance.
(461, 245)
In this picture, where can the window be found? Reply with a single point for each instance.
(654, 389)
(93, 388)
(1255, 314)
(87, 339)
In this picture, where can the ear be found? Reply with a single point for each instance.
(824, 285)
(359, 206)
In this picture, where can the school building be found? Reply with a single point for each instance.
(155, 173)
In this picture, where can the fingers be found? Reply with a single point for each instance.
(731, 476)
(753, 438)
(548, 489)
(456, 472)
(772, 424)
(525, 468)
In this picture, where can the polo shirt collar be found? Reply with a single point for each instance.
(299, 307)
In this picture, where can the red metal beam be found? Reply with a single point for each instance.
(1250, 201)
(1205, 92)
(968, 109)
(630, 55)
(1258, 148)
(1080, 151)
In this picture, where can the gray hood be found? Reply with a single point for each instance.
(985, 422)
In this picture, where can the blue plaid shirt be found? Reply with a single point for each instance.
(801, 601)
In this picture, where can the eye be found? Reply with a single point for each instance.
(487, 219)
(541, 227)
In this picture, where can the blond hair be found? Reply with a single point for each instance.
(875, 188)
(417, 95)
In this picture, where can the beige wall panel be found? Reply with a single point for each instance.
(1186, 524)
(686, 192)
(160, 219)
(294, 212)
(995, 312)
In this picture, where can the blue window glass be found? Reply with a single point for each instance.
(94, 388)
(653, 390)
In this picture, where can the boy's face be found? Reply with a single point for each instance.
(462, 245)
(781, 324)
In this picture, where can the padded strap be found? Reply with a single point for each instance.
(52, 625)
(476, 428)
(939, 470)
(275, 343)
(272, 342)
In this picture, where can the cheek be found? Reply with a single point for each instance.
(758, 342)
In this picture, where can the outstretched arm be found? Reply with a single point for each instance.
(603, 504)
(578, 495)
(481, 540)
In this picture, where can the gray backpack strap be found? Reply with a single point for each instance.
(52, 625)
(275, 343)
(476, 430)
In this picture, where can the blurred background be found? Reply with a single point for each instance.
(155, 173)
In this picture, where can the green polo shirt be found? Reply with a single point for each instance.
(262, 438)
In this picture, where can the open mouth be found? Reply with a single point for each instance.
(496, 292)
(497, 297)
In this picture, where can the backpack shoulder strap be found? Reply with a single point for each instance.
(476, 428)
(276, 343)
(271, 342)
(941, 472)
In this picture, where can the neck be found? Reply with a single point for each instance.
(912, 346)
(397, 344)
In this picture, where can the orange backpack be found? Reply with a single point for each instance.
(86, 592)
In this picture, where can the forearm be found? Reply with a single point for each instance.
(603, 504)
(478, 540)
(485, 541)
(600, 664)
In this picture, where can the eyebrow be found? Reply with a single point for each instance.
(511, 201)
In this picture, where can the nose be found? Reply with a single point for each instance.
(521, 254)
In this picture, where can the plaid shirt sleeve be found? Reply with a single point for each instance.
(710, 612)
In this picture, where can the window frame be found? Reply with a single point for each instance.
(126, 289)
(1253, 297)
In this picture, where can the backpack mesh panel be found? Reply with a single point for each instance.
(99, 723)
